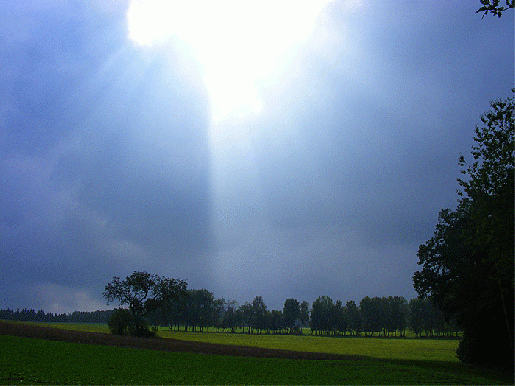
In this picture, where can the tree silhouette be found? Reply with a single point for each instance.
(143, 293)
(467, 266)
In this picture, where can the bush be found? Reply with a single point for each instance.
(121, 322)
(142, 330)
(481, 348)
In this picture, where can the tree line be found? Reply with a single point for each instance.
(384, 316)
(196, 310)
(31, 315)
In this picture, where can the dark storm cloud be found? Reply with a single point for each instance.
(377, 148)
(104, 155)
(48, 51)
(150, 171)
(108, 162)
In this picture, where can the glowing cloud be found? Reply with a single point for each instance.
(238, 43)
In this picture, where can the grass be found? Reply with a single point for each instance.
(87, 327)
(383, 348)
(37, 361)
(374, 361)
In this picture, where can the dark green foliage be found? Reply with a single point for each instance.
(339, 317)
(397, 311)
(467, 266)
(219, 308)
(291, 312)
(321, 315)
(144, 293)
(26, 315)
(276, 321)
(120, 322)
(259, 318)
(304, 312)
(230, 316)
(426, 317)
(493, 7)
(245, 316)
(353, 316)
(386, 315)
(197, 309)
(370, 314)
(480, 347)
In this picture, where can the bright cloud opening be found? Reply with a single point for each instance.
(238, 43)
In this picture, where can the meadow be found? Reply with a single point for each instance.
(367, 361)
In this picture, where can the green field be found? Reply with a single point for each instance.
(381, 348)
(377, 361)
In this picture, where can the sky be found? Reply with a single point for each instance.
(275, 149)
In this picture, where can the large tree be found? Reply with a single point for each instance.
(353, 317)
(245, 313)
(259, 313)
(372, 314)
(304, 313)
(467, 266)
(143, 293)
(230, 318)
(321, 313)
(291, 312)
(275, 321)
(198, 309)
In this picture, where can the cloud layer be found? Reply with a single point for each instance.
(110, 161)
